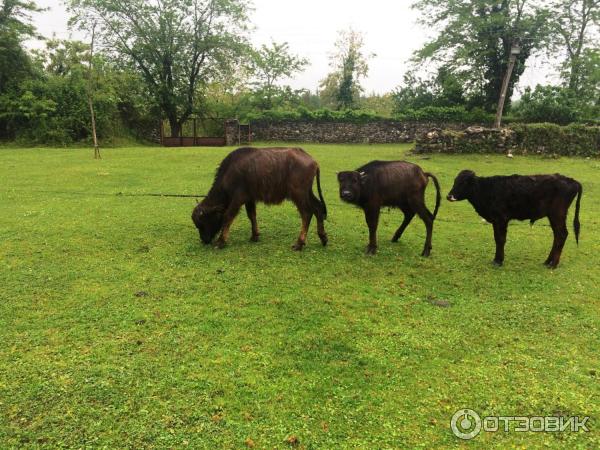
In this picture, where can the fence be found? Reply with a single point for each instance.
(202, 132)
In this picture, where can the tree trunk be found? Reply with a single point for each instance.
(174, 124)
(91, 95)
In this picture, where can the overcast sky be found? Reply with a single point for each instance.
(310, 27)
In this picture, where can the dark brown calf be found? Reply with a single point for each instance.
(500, 199)
(270, 175)
(397, 184)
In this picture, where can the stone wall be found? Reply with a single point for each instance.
(379, 132)
(470, 140)
(539, 139)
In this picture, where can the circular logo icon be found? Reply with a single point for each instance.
(465, 424)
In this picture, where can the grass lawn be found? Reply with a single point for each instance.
(119, 330)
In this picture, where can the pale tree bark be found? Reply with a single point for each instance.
(90, 94)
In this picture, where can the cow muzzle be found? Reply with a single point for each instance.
(346, 195)
(451, 198)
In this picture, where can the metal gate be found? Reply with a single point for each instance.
(196, 132)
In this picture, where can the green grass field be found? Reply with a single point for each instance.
(119, 330)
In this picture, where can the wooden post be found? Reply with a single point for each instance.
(514, 51)
(195, 134)
(90, 94)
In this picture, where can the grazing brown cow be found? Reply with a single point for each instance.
(270, 175)
(398, 184)
(500, 199)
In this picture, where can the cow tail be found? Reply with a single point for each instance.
(576, 224)
(321, 193)
(438, 197)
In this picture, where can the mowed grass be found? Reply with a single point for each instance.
(119, 330)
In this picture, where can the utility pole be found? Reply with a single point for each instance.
(514, 52)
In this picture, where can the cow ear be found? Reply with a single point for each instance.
(363, 176)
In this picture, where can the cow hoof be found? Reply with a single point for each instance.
(551, 265)
(220, 245)
(426, 253)
(298, 246)
(395, 239)
(371, 250)
(254, 238)
(497, 263)
(324, 240)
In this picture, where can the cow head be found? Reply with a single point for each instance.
(463, 186)
(208, 220)
(351, 183)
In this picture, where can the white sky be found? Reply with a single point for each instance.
(310, 27)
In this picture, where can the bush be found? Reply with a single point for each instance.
(548, 104)
(453, 114)
(548, 138)
(319, 115)
(448, 114)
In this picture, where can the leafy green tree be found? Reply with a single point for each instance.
(15, 64)
(474, 40)
(575, 32)
(178, 46)
(270, 64)
(381, 105)
(349, 62)
(51, 107)
(444, 90)
(590, 75)
(413, 93)
(548, 104)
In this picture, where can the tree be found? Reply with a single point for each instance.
(15, 27)
(349, 63)
(15, 15)
(445, 89)
(178, 46)
(475, 37)
(15, 63)
(576, 29)
(548, 104)
(271, 64)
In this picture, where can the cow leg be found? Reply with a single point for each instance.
(372, 217)
(500, 229)
(408, 216)
(559, 227)
(306, 218)
(251, 211)
(320, 215)
(228, 217)
(427, 219)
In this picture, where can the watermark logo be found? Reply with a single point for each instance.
(467, 424)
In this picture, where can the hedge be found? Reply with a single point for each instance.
(548, 138)
(455, 114)
(539, 138)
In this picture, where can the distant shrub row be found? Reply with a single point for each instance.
(439, 114)
(457, 114)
